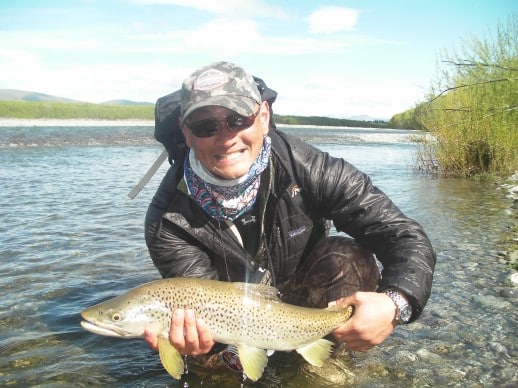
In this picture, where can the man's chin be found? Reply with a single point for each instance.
(231, 173)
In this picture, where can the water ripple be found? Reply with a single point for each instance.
(70, 237)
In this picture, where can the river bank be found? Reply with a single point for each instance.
(10, 122)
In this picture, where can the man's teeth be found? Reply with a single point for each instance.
(231, 156)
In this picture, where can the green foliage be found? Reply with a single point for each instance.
(62, 110)
(473, 108)
(408, 119)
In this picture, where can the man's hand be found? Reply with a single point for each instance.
(189, 335)
(372, 322)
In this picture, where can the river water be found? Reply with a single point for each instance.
(70, 237)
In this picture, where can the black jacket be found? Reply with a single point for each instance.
(303, 188)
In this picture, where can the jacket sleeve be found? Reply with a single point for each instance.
(171, 249)
(347, 197)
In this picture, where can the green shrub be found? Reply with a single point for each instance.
(473, 108)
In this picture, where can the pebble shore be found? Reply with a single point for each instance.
(510, 256)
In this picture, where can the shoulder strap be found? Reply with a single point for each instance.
(167, 127)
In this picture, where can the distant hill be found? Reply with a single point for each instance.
(24, 95)
(126, 102)
(365, 118)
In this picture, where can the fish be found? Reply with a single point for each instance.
(249, 316)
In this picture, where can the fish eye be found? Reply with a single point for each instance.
(116, 317)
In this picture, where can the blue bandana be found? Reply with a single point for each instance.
(229, 199)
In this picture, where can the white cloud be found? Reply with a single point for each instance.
(17, 57)
(26, 70)
(219, 37)
(242, 8)
(344, 96)
(332, 19)
(134, 61)
(225, 36)
(325, 95)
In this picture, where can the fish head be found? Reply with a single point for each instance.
(126, 316)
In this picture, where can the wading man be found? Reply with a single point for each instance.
(244, 201)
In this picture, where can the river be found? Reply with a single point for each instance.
(70, 237)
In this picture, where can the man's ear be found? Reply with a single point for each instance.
(264, 116)
(185, 131)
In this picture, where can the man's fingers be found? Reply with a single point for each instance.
(151, 339)
(204, 336)
(188, 334)
(190, 331)
(176, 334)
(150, 335)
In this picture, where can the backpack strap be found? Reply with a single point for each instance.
(167, 127)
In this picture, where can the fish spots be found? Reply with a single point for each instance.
(235, 313)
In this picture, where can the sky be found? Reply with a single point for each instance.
(330, 58)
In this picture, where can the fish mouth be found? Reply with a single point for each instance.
(102, 330)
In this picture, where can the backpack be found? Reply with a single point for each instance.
(167, 128)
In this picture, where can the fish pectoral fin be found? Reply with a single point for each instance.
(253, 360)
(316, 352)
(170, 357)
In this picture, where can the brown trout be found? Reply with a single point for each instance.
(249, 316)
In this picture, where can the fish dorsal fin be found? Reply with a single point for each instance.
(259, 290)
(316, 352)
(253, 360)
(170, 357)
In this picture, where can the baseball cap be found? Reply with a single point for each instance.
(223, 84)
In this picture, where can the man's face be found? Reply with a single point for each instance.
(227, 154)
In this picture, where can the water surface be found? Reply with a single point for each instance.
(70, 237)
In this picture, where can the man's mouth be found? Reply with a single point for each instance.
(230, 156)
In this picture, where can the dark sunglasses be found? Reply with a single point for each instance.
(209, 127)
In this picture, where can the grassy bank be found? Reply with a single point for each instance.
(62, 110)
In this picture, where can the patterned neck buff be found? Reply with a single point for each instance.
(225, 199)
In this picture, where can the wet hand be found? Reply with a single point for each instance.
(372, 322)
(189, 335)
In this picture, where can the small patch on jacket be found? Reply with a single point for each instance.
(295, 190)
(296, 232)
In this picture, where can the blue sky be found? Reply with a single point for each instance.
(332, 58)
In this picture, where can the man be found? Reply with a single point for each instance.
(245, 202)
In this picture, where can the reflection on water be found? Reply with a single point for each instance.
(70, 237)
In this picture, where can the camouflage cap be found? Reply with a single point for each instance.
(223, 84)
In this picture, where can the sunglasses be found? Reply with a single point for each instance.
(209, 127)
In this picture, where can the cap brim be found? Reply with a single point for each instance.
(244, 106)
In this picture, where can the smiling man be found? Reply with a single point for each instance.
(247, 202)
